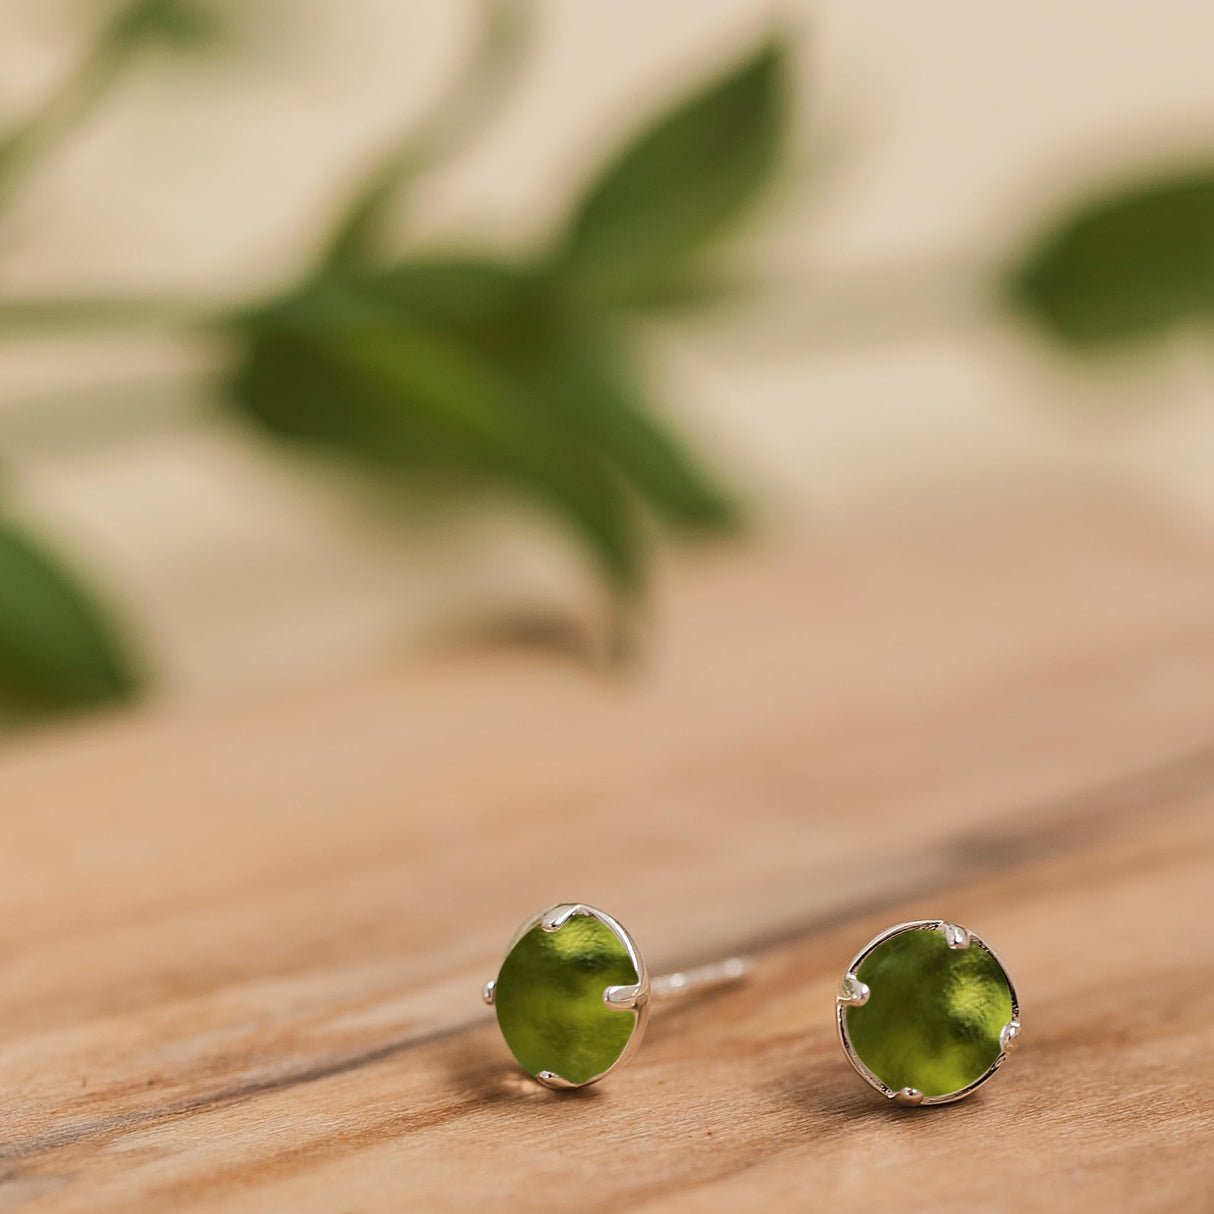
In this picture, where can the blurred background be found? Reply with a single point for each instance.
(330, 331)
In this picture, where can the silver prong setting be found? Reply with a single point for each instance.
(487, 991)
(625, 998)
(558, 916)
(849, 993)
(1009, 1036)
(853, 992)
(634, 997)
(957, 936)
(550, 1079)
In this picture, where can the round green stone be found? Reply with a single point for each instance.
(549, 999)
(934, 1013)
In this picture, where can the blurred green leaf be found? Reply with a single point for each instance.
(341, 367)
(1129, 265)
(491, 301)
(689, 292)
(481, 372)
(572, 364)
(57, 651)
(679, 184)
(585, 376)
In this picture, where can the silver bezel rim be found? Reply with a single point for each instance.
(637, 996)
(908, 1096)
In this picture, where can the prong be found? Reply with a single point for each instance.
(550, 1079)
(558, 916)
(852, 992)
(626, 998)
(957, 937)
(909, 1098)
(1009, 1036)
(487, 992)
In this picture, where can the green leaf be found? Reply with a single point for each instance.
(1129, 265)
(479, 297)
(585, 374)
(679, 184)
(570, 363)
(57, 650)
(479, 373)
(690, 292)
(339, 367)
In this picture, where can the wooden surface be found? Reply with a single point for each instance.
(242, 946)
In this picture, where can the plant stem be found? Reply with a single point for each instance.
(93, 76)
(22, 319)
(474, 95)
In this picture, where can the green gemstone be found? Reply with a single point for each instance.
(934, 1014)
(549, 999)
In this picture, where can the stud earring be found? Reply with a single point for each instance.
(927, 1012)
(572, 995)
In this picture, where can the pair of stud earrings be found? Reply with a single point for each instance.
(926, 1011)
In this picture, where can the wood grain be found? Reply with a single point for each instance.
(242, 944)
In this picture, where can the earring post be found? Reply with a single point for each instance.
(701, 978)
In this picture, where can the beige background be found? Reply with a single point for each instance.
(873, 378)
